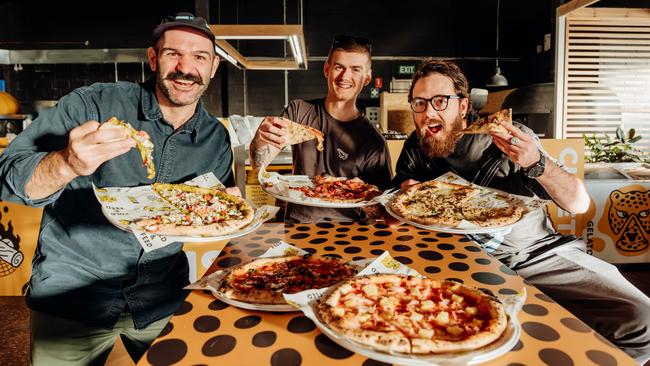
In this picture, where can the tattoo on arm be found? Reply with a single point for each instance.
(262, 155)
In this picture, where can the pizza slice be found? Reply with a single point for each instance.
(142, 143)
(490, 123)
(200, 212)
(298, 133)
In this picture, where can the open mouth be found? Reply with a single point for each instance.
(433, 129)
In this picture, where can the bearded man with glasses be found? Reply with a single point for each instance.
(593, 290)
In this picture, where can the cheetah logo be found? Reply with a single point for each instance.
(628, 218)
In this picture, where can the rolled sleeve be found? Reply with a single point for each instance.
(48, 133)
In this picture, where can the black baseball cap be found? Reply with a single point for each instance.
(183, 20)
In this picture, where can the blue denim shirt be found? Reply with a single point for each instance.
(84, 268)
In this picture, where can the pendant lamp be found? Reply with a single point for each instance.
(497, 79)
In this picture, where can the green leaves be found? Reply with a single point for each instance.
(610, 150)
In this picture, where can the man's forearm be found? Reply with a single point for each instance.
(261, 154)
(567, 190)
(50, 175)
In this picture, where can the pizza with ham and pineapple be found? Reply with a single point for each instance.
(264, 280)
(413, 315)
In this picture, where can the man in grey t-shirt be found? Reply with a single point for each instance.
(352, 146)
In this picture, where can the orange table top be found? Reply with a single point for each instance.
(207, 331)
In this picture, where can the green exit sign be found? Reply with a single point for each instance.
(406, 69)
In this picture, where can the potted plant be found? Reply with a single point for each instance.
(615, 150)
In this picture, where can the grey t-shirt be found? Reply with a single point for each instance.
(351, 149)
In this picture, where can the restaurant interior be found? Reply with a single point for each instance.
(516, 54)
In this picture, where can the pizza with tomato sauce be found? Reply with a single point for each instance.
(264, 280)
(413, 315)
(198, 212)
(339, 189)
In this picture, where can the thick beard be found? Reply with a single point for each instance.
(166, 91)
(434, 148)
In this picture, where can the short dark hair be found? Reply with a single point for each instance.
(350, 44)
(443, 67)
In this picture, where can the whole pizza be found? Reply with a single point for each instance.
(199, 212)
(264, 280)
(440, 203)
(413, 315)
(339, 189)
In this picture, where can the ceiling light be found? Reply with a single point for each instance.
(291, 33)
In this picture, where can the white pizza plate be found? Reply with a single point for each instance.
(450, 229)
(281, 190)
(499, 347)
(247, 229)
(253, 306)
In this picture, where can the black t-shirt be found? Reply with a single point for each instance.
(351, 149)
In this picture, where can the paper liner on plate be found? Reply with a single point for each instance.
(307, 302)
(486, 197)
(122, 205)
(212, 282)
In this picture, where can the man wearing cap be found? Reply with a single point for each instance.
(92, 282)
(352, 146)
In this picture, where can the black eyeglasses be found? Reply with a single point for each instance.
(344, 41)
(438, 102)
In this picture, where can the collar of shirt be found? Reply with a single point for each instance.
(150, 110)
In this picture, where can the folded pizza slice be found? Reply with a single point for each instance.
(298, 133)
(490, 123)
(142, 143)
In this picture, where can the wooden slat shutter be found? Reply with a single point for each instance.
(607, 73)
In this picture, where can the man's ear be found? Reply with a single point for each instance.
(464, 107)
(215, 66)
(326, 69)
(151, 56)
(368, 77)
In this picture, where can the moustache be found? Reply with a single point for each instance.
(185, 77)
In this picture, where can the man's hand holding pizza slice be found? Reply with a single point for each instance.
(518, 145)
(274, 133)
